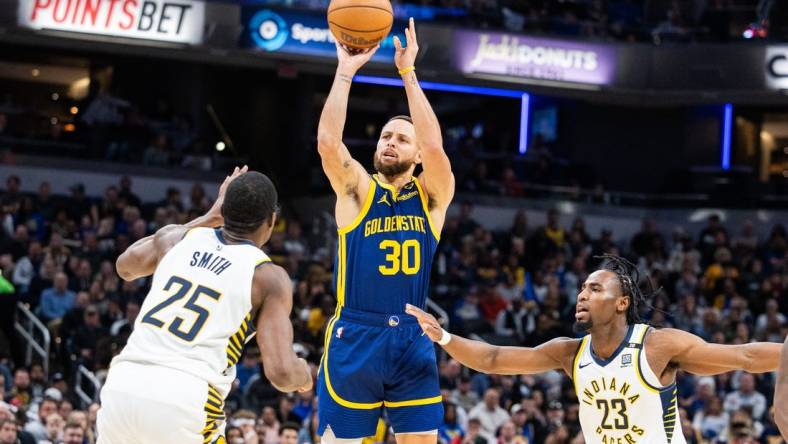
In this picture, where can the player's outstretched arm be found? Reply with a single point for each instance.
(286, 371)
(343, 172)
(699, 357)
(781, 394)
(486, 358)
(437, 177)
(141, 257)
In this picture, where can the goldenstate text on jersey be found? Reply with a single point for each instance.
(395, 223)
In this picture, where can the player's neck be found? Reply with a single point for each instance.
(234, 238)
(605, 339)
(396, 181)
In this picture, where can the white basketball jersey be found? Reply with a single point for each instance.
(621, 399)
(197, 315)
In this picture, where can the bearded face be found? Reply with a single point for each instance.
(391, 168)
(397, 151)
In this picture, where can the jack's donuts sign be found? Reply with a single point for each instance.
(515, 55)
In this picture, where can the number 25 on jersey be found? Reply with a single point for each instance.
(176, 324)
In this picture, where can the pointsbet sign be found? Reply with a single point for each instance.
(179, 21)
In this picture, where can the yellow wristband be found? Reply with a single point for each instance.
(404, 71)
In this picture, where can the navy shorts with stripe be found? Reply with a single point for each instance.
(374, 361)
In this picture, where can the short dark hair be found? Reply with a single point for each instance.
(289, 426)
(401, 117)
(250, 200)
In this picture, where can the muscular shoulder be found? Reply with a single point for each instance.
(562, 350)
(168, 236)
(270, 280)
(666, 338)
(664, 344)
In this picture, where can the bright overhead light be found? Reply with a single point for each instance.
(220, 146)
(74, 110)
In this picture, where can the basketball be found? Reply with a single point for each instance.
(360, 24)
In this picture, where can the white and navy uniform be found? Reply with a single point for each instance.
(169, 383)
(621, 399)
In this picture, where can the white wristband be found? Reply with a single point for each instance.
(445, 337)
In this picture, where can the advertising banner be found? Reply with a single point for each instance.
(297, 32)
(776, 68)
(538, 58)
(180, 21)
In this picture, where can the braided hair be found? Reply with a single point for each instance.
(629, 278)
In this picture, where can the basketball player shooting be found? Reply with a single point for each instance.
(624, 371)
(210, 286)
(389, 223)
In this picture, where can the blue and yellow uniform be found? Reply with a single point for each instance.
(375, 354)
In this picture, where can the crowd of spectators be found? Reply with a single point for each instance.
(516, 287)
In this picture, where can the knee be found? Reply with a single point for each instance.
(329, 438)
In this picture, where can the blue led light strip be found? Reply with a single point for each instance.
(727, 128)
(466, 89)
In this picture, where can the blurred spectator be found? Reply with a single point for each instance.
(56, 301)
(288, 433)
(8, 431)
(269, 426)
(746, 397)
(476, 433)
(73, 433)
(489, 412)
(711, 420)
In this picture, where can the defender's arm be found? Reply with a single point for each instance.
(697, 356)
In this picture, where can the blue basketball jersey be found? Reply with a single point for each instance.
(384, 256)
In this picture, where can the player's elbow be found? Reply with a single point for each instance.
(434, 146)
(123, 268)
(327, 143)
(279, 376)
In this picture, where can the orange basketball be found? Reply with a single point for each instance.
(360, 23)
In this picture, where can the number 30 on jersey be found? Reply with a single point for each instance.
(404, 257)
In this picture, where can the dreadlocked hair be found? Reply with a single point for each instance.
(629, 277)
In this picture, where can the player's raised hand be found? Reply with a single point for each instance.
(431, 327)
(351, 60)
(406, 57)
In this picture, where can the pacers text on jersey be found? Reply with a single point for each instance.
(395, 223)
(615, 401)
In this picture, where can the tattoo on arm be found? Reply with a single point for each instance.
(345, 78)
(346, 164)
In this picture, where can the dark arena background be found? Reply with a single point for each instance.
(653, 129)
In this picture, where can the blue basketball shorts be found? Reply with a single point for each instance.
(374, 361)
